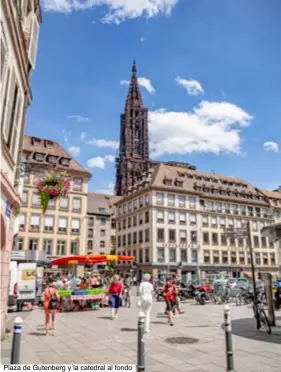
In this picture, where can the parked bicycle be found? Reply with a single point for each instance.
(261, 317)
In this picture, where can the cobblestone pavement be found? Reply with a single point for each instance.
(91, 337)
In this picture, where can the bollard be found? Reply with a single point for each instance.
(141, 362)
(228, 340)
(15, 355)
(269, 300)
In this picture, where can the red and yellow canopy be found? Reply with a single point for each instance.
(90, 259)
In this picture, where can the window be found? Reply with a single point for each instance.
(74, 247)
(206, 257)
(24, 198)
(216, 257)
(210, 206)
(102, 243)
(223, 239)
(194, 256)
(19, 244)
(250, 211)
(77, 184)
(171, 217)
(26, 178)
(90, 245)
(258, 258)
(205, 221)
(141, 218)
(62, 224)
(160, 216)
(140, 255)
(90, 233)
(102, 232)
(22, 222)
(147, 235)
(135, 238)
(182, 218)
(146, 217)
(181, 201)
(119, 241)
(91, 221)
(135, 221)
(192, 202)
(227, 208)
(243, 210)
(171, 200)
(102, 220)
(33, 244)
(76, 204)
(159, 198)
(233, 257)
(242, 258)
(254, 226)
(135, 204)
(140, 237)
(129, 222)
(222, 222)
(61, 244)
(272, 259)
(102, 210)
(48, 246)
(124, 224)
(172, 255)
(235, 209)
(206, 239)
(172, 236)
(218, 206)
(263, 242)
(124, 240)
(238, 224)
(34, 222)
(193, 236)
(75, 226)
(225, 257)
(214, 222)
(215, 240)
(183, 254)
(160, 254)
(141, 201)
(240, 242)
(183, 239)
(230, 222)
(35, 199)
(52, 204)
(265, 259)
(256, 242)
(147, 257)
(160, 235)
(146, 199)
(192, 219)
(48, 223)
(129, 239)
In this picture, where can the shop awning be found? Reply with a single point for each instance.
(89, 259)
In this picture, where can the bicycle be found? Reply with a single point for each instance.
(260, 315)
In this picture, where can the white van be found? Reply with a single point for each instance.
(13, 286)
(26, 284)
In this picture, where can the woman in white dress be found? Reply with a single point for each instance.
(145, 293)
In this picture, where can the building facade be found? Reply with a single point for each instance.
(101, 223)
(133, 158)
(20, 23)
(62, 229)
(177, 218)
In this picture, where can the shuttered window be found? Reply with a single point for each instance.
(33, 42)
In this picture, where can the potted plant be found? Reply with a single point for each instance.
(51, 187)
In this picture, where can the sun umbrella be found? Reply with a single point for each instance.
(89, 259)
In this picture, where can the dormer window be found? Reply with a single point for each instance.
(36, 141)
(52, 159)
(178, 183)
(48, 145)
(39, 157)
(65, 162)
(167, 182)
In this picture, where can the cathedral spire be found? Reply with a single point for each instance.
(134, 98)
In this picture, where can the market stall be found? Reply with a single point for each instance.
(89, 298)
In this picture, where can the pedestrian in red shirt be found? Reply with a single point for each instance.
(170, 294)
(114, 291)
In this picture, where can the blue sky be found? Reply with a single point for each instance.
(210, 74)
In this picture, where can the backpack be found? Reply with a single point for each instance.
(53, 304)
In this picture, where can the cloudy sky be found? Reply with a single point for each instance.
(210, 74)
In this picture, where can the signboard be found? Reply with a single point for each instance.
(18, 255)
(8, 210)
(28, 274)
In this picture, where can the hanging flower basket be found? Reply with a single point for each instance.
(51, 187)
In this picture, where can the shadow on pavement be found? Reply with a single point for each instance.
(105, 317)
(37, 334)
(158, 322)
(128, 330)
(247, 328)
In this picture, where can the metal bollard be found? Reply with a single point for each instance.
(15, 355)
(228, 340)
(269, 297)
(141, 362)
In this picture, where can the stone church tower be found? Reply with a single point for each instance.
(133, 157)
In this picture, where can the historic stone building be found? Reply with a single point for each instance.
(133, 157)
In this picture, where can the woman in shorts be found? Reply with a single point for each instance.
(51, 306)
(115, 291)
(170, 294)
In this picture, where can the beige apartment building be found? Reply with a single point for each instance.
(101, 223)
(19, 32)
(176, 217)
(62, 229)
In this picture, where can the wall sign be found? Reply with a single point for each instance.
(8, 210)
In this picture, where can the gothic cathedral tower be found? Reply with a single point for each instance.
(133, 157)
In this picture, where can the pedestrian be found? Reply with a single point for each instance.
(170, 293)
(51, 305)
(115, 300)
(145, 293)
(128, 283)
(178, 301)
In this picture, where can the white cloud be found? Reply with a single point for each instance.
(74, 150)
(83, 135)
(102, 143)
(212, 127)
(193, 87)
(110, 187)
(78, 118)
(143, 82)
(142, 39)
(65, 138)
(117, 10)
(271, 146)
(99, 161)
